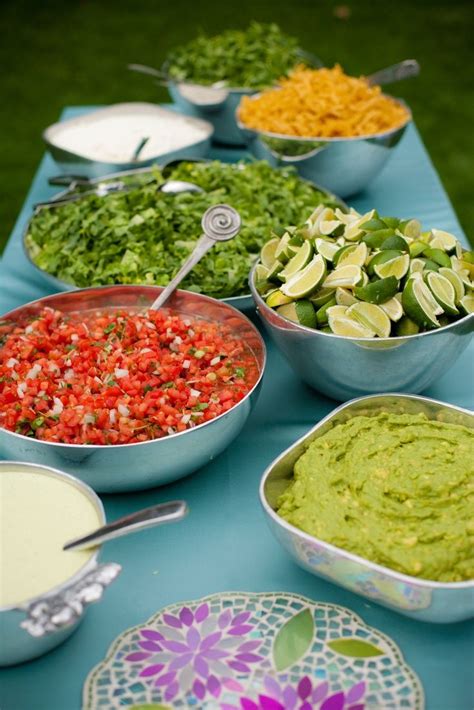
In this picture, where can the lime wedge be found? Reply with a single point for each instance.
(298, 262)
(301, 312)
(393, 308)
(352, 232)
(395, 242)
(406, 326)
(329, 226)
(336, 311)
(349, 276)
(322, 313)
(371, 317)
(459, 266)
(416, 265)
(261, 272)
(467, 303)
(381, 257)
(355, 254)
(419, 303)
(392, 222)
(430, 265)
(417, 248)
(438, 256)
(277, 298)
(443, 290)
(325, 248)
(274, 271)
(306, 281)
(349, 328)
(373, 225)
(374, 240)
(322, 296)
(455, 280)
(344, 297)
(397, 267)
(378, 291)
(410, 228)
(267, 254)
(281, 251)
(443, 240)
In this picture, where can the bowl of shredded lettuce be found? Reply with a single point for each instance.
(208, 75)
(142, 236)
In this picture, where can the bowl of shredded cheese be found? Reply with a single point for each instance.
(335, 129)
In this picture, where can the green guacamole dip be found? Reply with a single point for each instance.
(396, 489)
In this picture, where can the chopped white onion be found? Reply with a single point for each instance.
(34, 372)
(120, 372)
(123, 410)
(11, 362)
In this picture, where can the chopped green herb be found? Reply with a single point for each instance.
(94, 241)
(200, 406)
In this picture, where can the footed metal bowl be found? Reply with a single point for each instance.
(38, 625)
(131, 467)
(421, 599)
(343, 368)
(343, 165)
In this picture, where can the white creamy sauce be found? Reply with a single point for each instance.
(38, 514)
(114, 138)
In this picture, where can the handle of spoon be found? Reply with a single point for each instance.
(203, 245)
(161, 78)
(403, 70)
(142, 519)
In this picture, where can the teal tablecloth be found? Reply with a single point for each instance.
(224, 543)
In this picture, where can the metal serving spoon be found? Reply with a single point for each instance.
(159, 514)
(219, 224)
(396, 72)
(104, 188)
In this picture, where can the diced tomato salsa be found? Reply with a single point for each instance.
(116, 377)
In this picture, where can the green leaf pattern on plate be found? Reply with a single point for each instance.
(355, 648)
(293, 640)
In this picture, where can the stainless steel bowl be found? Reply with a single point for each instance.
(76, 163)
(218, 105)
(40, 624)
(420, 599)
(343, 165)
(130, 467)
(343, 368)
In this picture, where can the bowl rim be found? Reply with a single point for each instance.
(91, 562)
(112, 447)
(243, 300)
(121, 108)
(339, 551)
(324, 139)
(260, 303)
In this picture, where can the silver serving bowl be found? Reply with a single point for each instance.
(40, 624)
(131, 467)
(243, 302)
(421, 599)
(74, 162)
(342, 367)
(343, 165)
(218, 105)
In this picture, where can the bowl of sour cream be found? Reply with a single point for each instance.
(44, 589)
(126, 136)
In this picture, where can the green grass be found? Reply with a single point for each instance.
(54, 54)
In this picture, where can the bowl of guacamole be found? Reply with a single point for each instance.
(381, 492)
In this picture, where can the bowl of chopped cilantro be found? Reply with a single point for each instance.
(142, 236)
(208, 76)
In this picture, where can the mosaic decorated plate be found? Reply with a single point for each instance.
(239, 651)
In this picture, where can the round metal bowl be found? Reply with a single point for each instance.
(343, 368)
(343, 165)
(40, 624)
(243, 302)
(218, 105)
(131, 467)
(421, 599)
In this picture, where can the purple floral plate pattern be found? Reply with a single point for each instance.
(239, 651)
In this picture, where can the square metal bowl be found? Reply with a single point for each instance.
(421, 599)
(74, 162)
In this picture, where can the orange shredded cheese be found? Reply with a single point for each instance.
(325, 103)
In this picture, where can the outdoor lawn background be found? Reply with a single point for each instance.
(55, 53)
